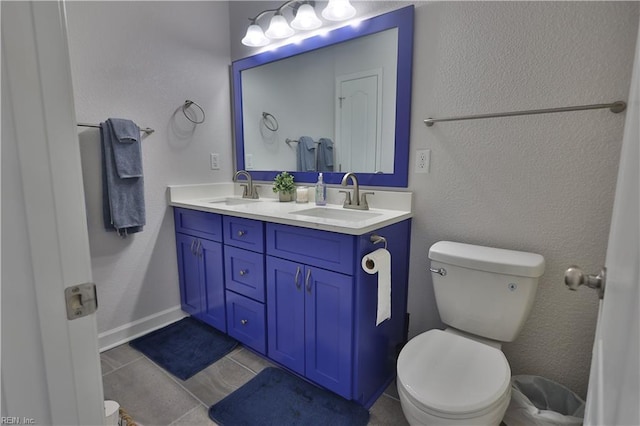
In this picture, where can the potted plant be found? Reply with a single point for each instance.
(283, 185)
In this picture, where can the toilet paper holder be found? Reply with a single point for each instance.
(375, 239)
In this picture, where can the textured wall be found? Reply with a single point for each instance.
(141, 60)
(538, 183)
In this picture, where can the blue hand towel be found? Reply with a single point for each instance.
(127, 151)
(325, 155)
(123, 197)
(306, 154)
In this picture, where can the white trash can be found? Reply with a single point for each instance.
(111, 413)
(536, 401)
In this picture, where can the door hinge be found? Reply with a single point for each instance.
(82, 300)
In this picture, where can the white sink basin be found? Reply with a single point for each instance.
(346, 215)
(233, 201)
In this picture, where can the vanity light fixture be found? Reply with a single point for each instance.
(305, 20)
(338, 10)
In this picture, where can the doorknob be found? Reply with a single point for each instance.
(574, 277)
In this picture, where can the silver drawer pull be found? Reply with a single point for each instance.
(297, 276)
(440, 271)
(244, 322)
(242, 233)
(244, 272)
(307, 281)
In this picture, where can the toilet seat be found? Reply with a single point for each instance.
(452, 376)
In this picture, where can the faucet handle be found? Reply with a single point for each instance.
(347, 199)
(363, 200)
(245, 188)
(255, 194)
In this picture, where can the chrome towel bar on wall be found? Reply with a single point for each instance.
(615, 107)
(146, 130)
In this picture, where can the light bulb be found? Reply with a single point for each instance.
(279, 28)
(306, 18)
(255, 37)
(338, 10)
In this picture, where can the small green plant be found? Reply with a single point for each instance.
(283, 183)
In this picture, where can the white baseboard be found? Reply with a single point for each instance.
(127, 332)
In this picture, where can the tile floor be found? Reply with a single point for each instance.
(153, 397)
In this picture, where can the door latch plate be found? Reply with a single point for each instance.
(81, 299)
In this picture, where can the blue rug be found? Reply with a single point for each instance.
(275, 397)
(184, 347)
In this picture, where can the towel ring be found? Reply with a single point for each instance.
(270, 121)
(187, 104)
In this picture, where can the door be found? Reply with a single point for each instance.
(189, 274)
(614, 382)
(285, 313)
(213, 309)
(50, 365)
(359, 121)
(329, 329)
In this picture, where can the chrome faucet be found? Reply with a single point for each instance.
(358, 202)
(249, 190)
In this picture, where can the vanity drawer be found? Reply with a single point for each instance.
(244, 272)
(199, 224)
(324, 249)
(246, 321)
(244, 233)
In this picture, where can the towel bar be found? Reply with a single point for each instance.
(146, 130)
(615, 107)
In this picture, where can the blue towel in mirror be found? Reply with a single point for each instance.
(325, 155)
(306, 154)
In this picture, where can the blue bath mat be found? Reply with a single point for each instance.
(184, 347)
(275, 397)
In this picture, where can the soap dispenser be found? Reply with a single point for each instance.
(321, 192)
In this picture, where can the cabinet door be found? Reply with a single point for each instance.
(285, 313)
(188, 274)
(329, 329)
(212, 275)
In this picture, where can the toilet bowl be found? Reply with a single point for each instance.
(447, 379)
(459, 376)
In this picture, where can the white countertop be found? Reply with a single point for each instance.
(385, 207)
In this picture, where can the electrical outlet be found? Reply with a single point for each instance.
(215, 161)
(249, 162)
(423, 158)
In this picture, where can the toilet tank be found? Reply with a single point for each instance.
(484, 291)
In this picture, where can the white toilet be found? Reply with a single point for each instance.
(460, 376)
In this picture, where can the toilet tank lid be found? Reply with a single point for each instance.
(489, 259)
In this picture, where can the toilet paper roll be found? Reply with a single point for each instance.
(379, 262)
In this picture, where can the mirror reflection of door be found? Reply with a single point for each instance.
(358, 121)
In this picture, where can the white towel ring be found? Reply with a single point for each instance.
(270, 121)
(187, 104)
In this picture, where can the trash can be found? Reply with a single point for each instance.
(536, 401)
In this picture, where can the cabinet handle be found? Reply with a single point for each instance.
(199, 248)
(295, 280)
(244, 322)
(307, 281)
(242, 233)
(244, 272)
(193, 250)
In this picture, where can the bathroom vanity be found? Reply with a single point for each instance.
(286, 280)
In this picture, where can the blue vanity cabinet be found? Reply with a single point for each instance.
(321, 307)
(200, 266)
(310, 308)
